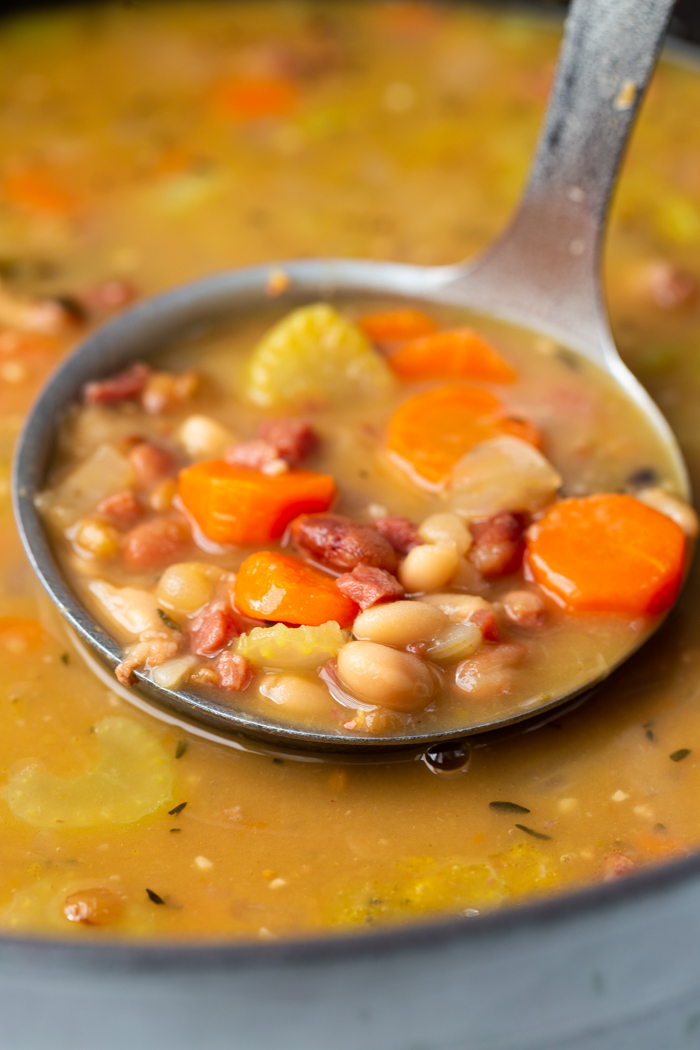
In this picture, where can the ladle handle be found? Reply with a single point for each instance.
(546, 265)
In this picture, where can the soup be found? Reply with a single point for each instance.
(249, 132)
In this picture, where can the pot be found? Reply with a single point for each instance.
(614, 967)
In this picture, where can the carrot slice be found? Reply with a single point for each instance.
(242, 506)
(394, 326)
(458, 354)
(256, 98)
(272, 586)
(607, 553)
(431, 431)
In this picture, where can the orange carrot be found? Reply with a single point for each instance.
(458, 354)
(255, 98)
(607, 553)
(242, 506)
(18, 634)
(394, 326)
(35, 190)
(278, 587)
(431, 431)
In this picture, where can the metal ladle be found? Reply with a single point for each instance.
(543, 274)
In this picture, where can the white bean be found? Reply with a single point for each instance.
(458, 608)
(428, 567)
(674, 508)
(296, 695)
(185, 587)
(446, 528)
(203, 437)
(399, 623)
(377, 674)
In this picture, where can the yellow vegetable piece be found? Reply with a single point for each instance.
(315, 356)
(283, 648)
(133, 777)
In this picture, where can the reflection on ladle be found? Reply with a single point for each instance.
(542, 274)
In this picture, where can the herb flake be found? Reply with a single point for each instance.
(181, 748)
(650, 735)
(153, 896)
(531, 831)
(679, 755)
(176, 809)
(168, 621)
(65, 659)
(508, 807)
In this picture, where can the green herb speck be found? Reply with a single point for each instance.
(181, 748)
(650, 735)
(153, 896)
(175, 829)
(679, 755)
(176, 809)
(65, 658)
(168, 621)
(531, 831)
(508, 807)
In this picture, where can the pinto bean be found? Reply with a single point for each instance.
(123, 507)
(155, 544)
(401, 533)
(292, 439)
(498, 544)
(367, 586)
(234, 672)
(340, 543)
(150, 464)
(213, 630)
(123, 386)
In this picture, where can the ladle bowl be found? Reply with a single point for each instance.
(543, 274)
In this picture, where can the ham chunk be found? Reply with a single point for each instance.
(292, 439)
(401, 533)
(485, 620)
(498, 544)
(367, 585)
(234, 672)
(124, 386)
(255, 454)
(213, 630)
(340, 543)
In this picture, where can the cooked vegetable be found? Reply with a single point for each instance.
(431, 432)
(315, 356)
(503, 474)
(394, 326)
(273, 586)
(255, 98)
(457, 354)
(242, 506)
(608, 553)
(102, 474)
(283, 648)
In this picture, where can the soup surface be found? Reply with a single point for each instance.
(249, 132)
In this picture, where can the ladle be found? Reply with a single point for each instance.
(543, 274)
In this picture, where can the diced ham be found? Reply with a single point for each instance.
(366, 585)
(485, 620)
(150, 463)
(124, 386)
(213, 630)
(292, 439)
(524, 609)
(401, 533)
(339, 543)
(122, 508)
(254, 454)
(155, 544)
(498, 544)
(234, 672)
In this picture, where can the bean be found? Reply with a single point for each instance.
(296, 695)
(155, 543)
(399, 623)
(388, 677)
(185, 587)
(674, 508)
(524, 608)
(458, 608)
(446, 528)
(97, 538)
(428, 567)
(96, 906)
(203, 437)
(150, 464)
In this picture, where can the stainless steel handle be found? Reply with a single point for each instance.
(545, 268)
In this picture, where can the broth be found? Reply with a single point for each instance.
(255, 131)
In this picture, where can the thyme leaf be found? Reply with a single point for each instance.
(679, 755)
(531, 831)
(508, 807)
(168, 621)
(153, 896)
(65, 658)
(181, 748)
(176, 809)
